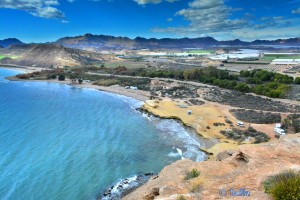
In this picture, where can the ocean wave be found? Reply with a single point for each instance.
(123, 187)
(178, 153)
(187, 141)
(184, 140)
(133, 103)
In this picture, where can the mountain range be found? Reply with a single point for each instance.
(105, 42)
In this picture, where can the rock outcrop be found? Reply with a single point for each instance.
(243, 170)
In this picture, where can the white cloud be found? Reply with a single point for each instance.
(39, 8)
(205, 17)
(204, 4)
(214, 18)
(297, 11)
(144, 2)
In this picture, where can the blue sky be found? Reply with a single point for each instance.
(48, 20)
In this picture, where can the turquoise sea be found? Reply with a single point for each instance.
(60, 142)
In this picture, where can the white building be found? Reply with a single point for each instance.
(286, 62)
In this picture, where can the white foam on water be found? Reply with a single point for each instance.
(186, 144)
(133, 103)
(115, 192)
(180, 153)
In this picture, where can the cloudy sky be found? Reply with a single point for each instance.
(48, 20)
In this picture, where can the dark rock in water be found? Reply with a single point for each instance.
(124, 187)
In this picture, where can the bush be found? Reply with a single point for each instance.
(192, 174)
(196, 185)
(242, 87)
(180, 198)
(283, 186)
(23, 76)
(51, 76)
(297, 80)
(272, 89)
(228, 121)
(61, 77)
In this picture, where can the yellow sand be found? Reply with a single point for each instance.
(202, 118)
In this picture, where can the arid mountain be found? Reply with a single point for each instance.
(51, 55)
(91, 42)
(97, 42)
(102, 42)
(10, 41)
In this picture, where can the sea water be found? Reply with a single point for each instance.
(61, 142)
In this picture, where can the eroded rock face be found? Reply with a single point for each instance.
(242, 169)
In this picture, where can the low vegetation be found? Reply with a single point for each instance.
(293, 121)
(247, 101)
(196, 185)
(106, 82)
(61, 77)
(283, 186)
(258, 81)
(28, 75)
(6, 56)
(256, 117)
(242, 135)
(180, 197)
(194, 173)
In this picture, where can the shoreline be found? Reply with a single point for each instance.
(201, 121)
(216, 144)
(135, 94)
(139, 95)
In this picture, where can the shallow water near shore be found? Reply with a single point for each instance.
(62, 142)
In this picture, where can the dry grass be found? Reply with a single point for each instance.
(196, 185)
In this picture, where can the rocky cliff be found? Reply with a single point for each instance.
(241, 170)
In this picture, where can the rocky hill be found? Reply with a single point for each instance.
(103, 42)
(245, 168)
(48, 55)
(10, 41)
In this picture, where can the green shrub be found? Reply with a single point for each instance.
(192, 174)
(283, 186)
(180, 198)
(51, 76)
(23, 76)
(242, 87)
(61, 77)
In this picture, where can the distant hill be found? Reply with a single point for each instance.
(47, 55)
(103, 42)
(10, 41)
